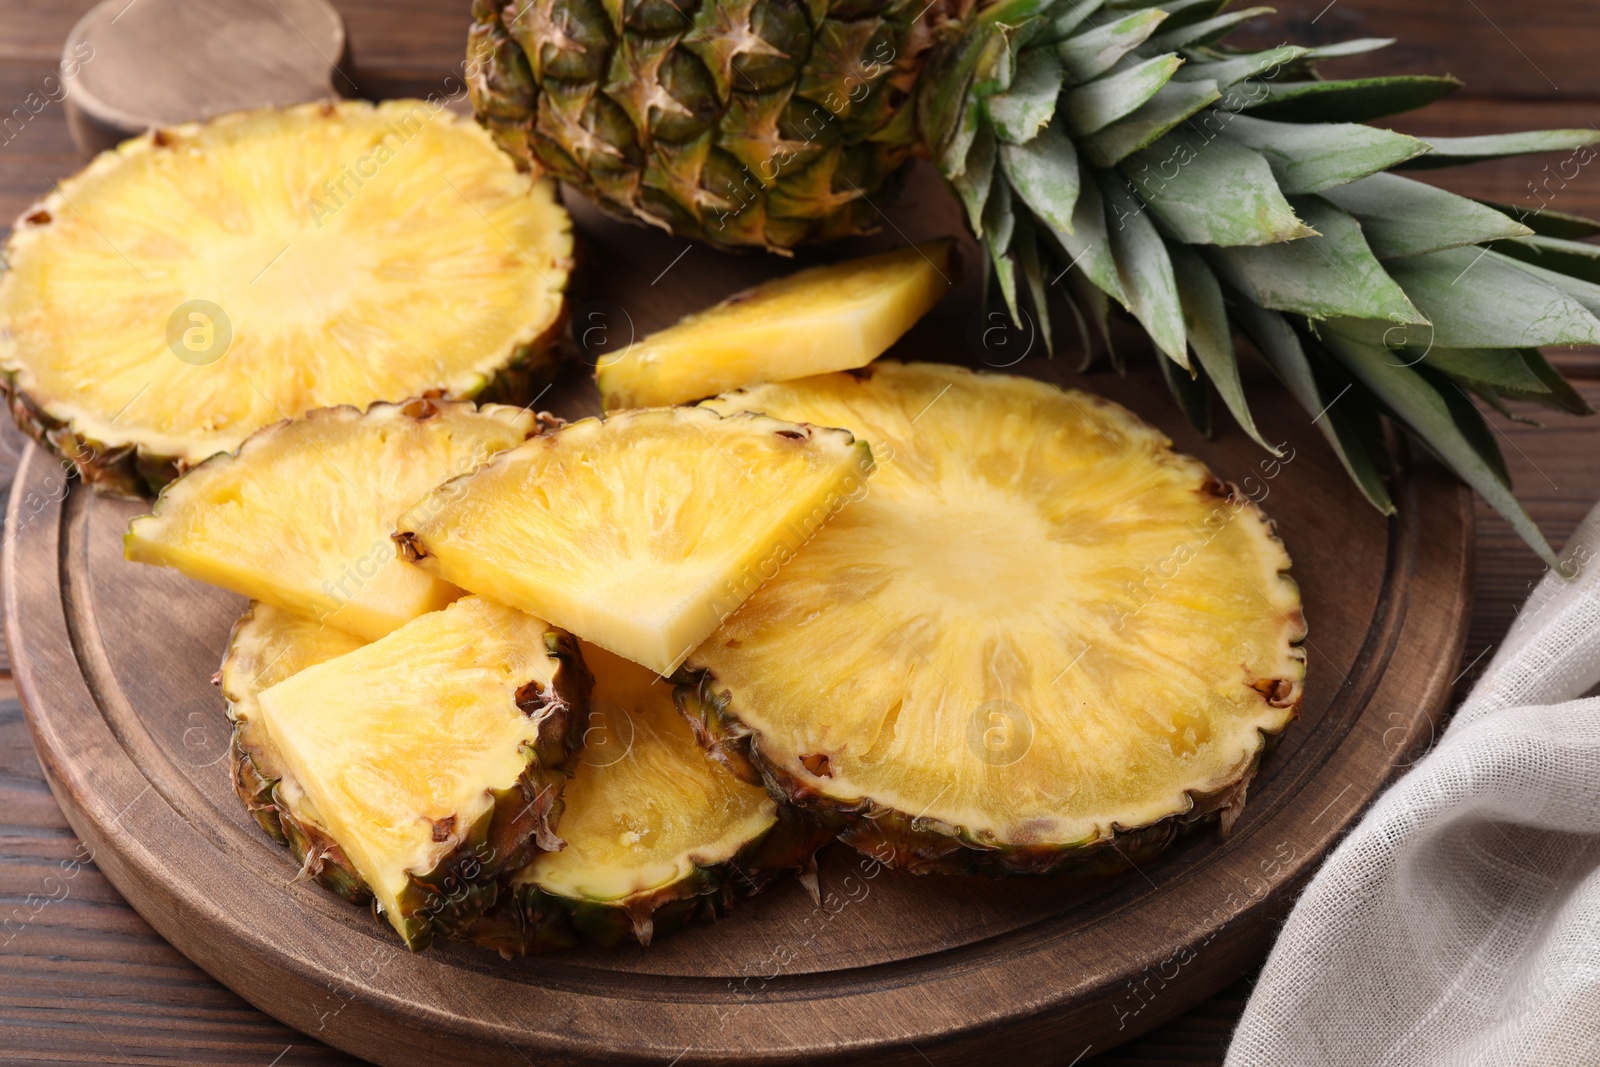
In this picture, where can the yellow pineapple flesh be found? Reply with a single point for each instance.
(300, 517)
(642, 531)
(267, 646)
(431, 755)
(810, 322)
(1041, 629)
(647, 808)
(201, 282)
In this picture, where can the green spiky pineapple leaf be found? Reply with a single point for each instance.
(1561, 395)
(1190, 390)
(1331, 275)
(1439, 413)
(1086, 246)
(1574, 259)
(1205, 320)
(1064, 19)
(1584, 292)
(1019, 113)
(1093, 52)
(1351, 100)
(1172, 104)
(1237, 68)
(1044, 173)
(1145, 270)
(1402, 217)
(1095, 307)
(977, 175)
(1308, 158)
(1213, 192)
(1546, 223)
(1359, 46)
(1026, 243)
(1457, 151)
(1096, 104)
(1474, 298)
(1502, 370)
(1352, 432)
(1207, 31)
(999, 226)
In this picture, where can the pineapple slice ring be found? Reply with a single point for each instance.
(201, 282)
(432, 756)
(300, 516)
(657, 833)
(1041, 632)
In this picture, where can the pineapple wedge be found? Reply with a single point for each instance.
(1044, 638)
(201, 282)
(640, 532)
(432, 756)
(300, 517)
(657, 833)
(811, 322)
(267, 646)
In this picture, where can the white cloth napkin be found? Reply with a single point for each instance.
(1459, 923)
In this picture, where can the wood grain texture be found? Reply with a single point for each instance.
(83, 980)
(1499, 48)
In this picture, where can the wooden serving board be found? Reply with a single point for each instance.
(113, 661)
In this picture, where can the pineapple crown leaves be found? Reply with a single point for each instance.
(1117, 152)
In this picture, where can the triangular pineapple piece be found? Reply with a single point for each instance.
(1043, 638)
(640, 532)
(267, 646)
(431, 756)
(203, 281)
(657, 831)
(811, 322)
(300, 517)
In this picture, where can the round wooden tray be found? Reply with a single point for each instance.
(113, 662)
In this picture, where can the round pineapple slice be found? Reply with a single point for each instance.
(200, 282)
(657, 833)
(1042, 637)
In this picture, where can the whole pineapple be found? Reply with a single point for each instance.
(1115, 151)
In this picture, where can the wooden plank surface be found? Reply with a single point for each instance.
(84, 980)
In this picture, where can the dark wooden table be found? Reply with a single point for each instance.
(82, 978)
